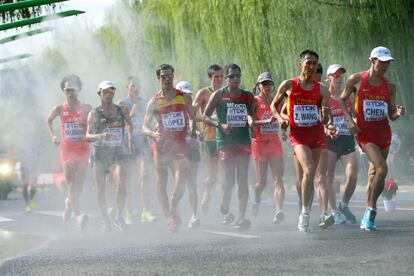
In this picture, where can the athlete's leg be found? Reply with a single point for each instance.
(332, 157)
(350, 164)
(229, 168)
(261, 177)
(180, 177)
(242, 167)
(119, 175)
(161, 169)
(377, 173)
(320, 180)
(192, 186)
(100, 180)
(277, 168)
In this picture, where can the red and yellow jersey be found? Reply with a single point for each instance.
(338, 117)
(371, 104)
(303, 106)
(73, 125)
(265, 131)
(171, 115)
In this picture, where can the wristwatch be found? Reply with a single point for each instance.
(217, 124)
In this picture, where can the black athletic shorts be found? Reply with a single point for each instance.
(343, 145)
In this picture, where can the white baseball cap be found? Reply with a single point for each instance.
(106, 84)
(333, 68)
(184, 86)
(381, 53)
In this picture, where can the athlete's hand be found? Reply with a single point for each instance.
(326, 110)
(158, 137)
(55, 140)
(105, 136)
(225, 128)
(353, 128)
(400, 110)
(284, 124)
(271, 120)
(331, 131)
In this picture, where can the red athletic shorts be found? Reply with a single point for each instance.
(313, 137)
(171, 149)
(229, 153)
(380, 137)
(75, 154)
(265, 149)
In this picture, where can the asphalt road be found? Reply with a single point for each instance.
(41, 243)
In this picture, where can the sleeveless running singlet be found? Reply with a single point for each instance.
(371, 104)
(114, 125)
(172, 117)
(266, 131)
(338, 118)
(73, 125)
(303, 106)
(233, 111)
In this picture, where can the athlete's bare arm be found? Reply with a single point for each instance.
(351, 85)
(130, 128)
(200, 102)
(149, 116)
(282, 92)
(53, 115)
(252, 111)
(212, 104)
(191, 113)
(394, 111)
(91, 128)
(326, 110)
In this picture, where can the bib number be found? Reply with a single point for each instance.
(339, 123)
(305, 115)
(375, 110)
(237, 116)
(174, 121)
(73, 132)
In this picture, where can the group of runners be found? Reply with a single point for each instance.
(233, 124)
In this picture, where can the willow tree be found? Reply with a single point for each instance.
(269, 35)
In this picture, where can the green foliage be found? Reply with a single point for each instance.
(24, 13)
(269, 35)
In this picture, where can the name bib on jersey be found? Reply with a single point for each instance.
(375, 110)
(339, 123)
(115, 140)
(174, 121)
(269, 128)
(74, 132)
(237, 115)
(306, 115)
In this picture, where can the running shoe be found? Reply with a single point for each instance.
(106, 226)
(120, 224)
(278, 217)
(194, 223)
(205, 203)
(227, 219)
(147, 217)
(82, 221)
(255, 209)
(174, 222)
(326, 221)
(339, 218)
(303, 224)
(368, 221)
(30, 206)
(129, 218)
(111, 213)
(67, 213)
(242, 224)
(347, 213)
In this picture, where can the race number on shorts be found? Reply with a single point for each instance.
(236, 115)
(339, 123)
(74, 132)
(115, 140)
(305, 115)
(173, 121)
(375, 110)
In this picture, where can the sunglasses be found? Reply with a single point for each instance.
(266, 83)
(232, 76)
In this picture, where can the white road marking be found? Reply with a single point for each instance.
(230, 234)
(3, 219)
